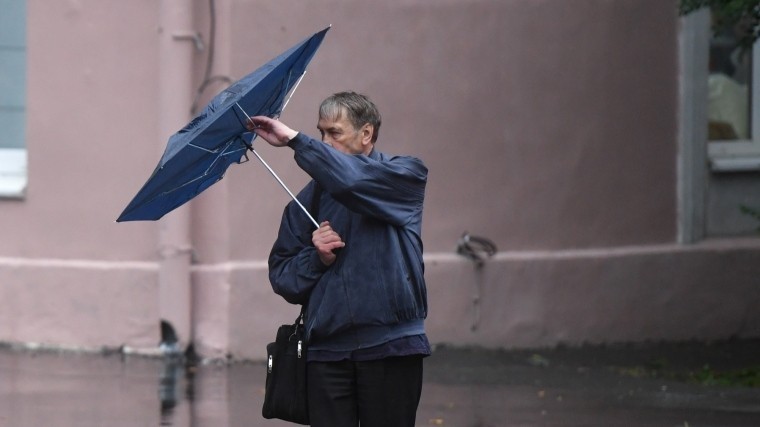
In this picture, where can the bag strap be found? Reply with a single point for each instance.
(316, 195)
(315, 198)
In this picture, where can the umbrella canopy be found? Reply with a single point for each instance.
(199, 154)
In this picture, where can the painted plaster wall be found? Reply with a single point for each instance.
(555, 138)
(548, 127)
(68, 275)
(725, 194)
(540, 133)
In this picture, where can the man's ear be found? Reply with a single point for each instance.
(367, 131)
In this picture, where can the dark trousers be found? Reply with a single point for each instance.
(378, 393)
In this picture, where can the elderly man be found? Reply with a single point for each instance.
(360, 274)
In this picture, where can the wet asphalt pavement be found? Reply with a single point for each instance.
(628, 385)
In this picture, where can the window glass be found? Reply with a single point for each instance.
(730, 84)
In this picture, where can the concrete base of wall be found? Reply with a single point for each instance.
(708, 291)
(79, 305)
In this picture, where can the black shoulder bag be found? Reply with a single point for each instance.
(285, 394)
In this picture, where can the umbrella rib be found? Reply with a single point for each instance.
(209, 168)
(292, 91)
(203, 148)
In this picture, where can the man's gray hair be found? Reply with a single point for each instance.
(359, 108)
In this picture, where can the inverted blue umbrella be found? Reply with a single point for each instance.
(199, 154)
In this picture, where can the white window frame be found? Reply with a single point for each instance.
(741, 155)
(12, 172)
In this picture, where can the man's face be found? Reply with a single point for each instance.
(340, 134)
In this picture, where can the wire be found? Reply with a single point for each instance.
(475, 248)
(208, 79)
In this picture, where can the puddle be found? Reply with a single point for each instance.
(85, 390)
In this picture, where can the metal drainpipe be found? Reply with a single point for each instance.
(211, 229)
(175, 97)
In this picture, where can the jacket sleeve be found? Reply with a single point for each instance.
(391, 189)
(294, 266)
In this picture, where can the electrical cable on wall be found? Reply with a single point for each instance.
(208, 79)
(475, 248)
(478, 250)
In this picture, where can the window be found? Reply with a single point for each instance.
(710, 199)
(734, 101)
(12, 98)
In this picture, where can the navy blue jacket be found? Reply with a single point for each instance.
(374, 292)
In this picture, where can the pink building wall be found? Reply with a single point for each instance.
(548, 127)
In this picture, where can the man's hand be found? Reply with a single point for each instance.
(326, 240)
(272, 131)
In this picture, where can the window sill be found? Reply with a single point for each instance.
(734, 156)
(735, 164)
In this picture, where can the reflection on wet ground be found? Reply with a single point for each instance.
(467, 388)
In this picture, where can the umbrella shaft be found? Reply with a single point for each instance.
(285, 187)
(272, 170)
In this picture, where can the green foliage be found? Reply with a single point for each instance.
(751, 212)
(728, 8)
(707, 376)
(748, 377)
(727, 13)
